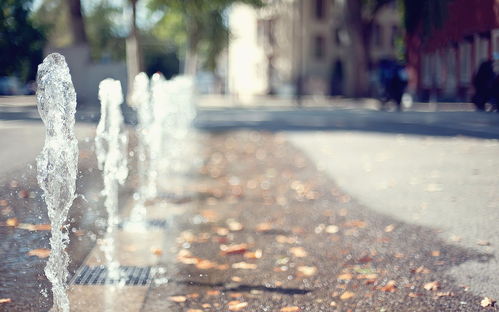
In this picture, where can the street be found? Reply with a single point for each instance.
(291, 210)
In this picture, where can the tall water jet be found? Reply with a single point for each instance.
(111, 144)
(57, 165)
(160, 109)
(141, 102)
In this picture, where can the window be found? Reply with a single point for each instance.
(465, 62)
(319, 47)
(377, 37)
(319, 9)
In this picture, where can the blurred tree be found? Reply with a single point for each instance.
(21, 40)
(76, 22)
(197, 26)
(359, 18)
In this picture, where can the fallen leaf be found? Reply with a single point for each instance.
(369, 276)
(487, 302)
(414, 295)
(298, 252)
(235, 295)
(257, 254)
(236, 279)
(389, 228)
(332, 229)
(347, 295)
(237, 305)
(264, 227)
(435, 285)
(12, 222)
(345, 277)
(221, 231)
(290, 309)
(445, 294)
(5, 300)
(206, 305)
(483, 243)
(307, 270)
(285, 239)
(235, 249)
(193, 296)
(23, 194)
(212, 293)
(244, 266)
(435, 253)
(355, 223)
(34, 227)
(234, 226)
(390, 286)
(157, 251)
(3, 203)
(178, 299)
(40, 253)
(194, 310)
(204, 264)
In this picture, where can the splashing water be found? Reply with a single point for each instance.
(141, 101)
(111, 144)
(57, 165)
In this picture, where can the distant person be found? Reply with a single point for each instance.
(484, 81)
(393, 78)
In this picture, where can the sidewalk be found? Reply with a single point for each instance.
(264, 230)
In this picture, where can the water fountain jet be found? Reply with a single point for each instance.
(57, 165)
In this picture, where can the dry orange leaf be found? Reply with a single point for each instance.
(234, 226)
(355, 223)
(435, 253)
(445, 294)
(421, 270)
(298, 252)
(194, 310)
(369, 276)
(40, 252)
(5, 300)
(244, 266)
(237, 305)
(290, 309)
(3, 203)
(212, 293)
(264, 227)
(390, 286)
(35, 227)
(435, 285)
(257, 254)
(203, 264)
(235, 249)
(157, 251)
(389, 228)
(285, 239)
(347, 295)
(487, 302)
(192, 296)
(236, 279)
(178, 299)
(307, 270)
(12, 222)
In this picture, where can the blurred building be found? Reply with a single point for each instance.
(300, 46)
(444, 63)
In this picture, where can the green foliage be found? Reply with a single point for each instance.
(197, 25)
(99, 26)
(21, 40)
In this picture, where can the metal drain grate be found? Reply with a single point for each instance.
(131, 276)
(156, 223)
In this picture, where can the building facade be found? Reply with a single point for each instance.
(300, 46)
(444, 63)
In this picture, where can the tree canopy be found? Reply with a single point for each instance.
(21, 40)
(196, 26)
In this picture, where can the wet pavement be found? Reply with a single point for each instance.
(257, 228)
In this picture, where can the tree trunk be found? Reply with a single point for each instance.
(133, 55)
(77, 23)
(191, 57)
(357, 68)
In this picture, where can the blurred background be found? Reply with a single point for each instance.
(257, 52)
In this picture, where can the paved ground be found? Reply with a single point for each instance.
(270, 222)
